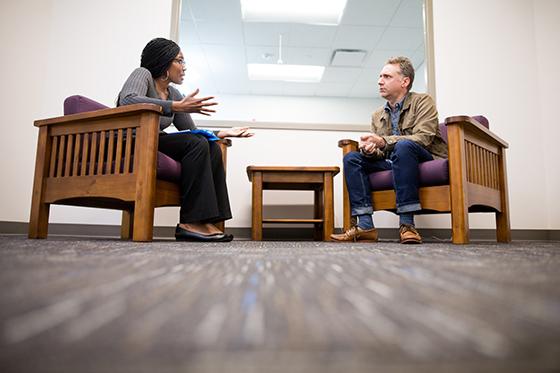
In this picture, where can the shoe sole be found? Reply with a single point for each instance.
(411, 242)
(344, 241)
(226, 238)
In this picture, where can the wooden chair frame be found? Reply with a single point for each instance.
(477, 181)
(105, 158)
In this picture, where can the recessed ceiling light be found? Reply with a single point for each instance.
(322, 12)
(287, 73)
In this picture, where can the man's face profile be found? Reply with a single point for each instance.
(391, 82)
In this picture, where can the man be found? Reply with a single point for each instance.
(405, 132)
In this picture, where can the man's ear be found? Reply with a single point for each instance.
(406, 81)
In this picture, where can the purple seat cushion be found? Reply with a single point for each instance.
(482, 120)
(167, 168)
(432, 173)
(80, 104)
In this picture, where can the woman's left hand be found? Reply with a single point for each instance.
(235, 132)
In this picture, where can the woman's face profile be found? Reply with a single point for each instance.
(177, 69)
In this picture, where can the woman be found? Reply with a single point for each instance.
(204, 197)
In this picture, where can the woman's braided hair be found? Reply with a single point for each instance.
(158, 55)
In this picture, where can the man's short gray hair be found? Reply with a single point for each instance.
(406, 67)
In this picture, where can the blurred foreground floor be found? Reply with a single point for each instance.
(102, 305)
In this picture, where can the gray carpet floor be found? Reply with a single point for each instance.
(104, 305)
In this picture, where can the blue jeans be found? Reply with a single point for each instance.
(404, 161)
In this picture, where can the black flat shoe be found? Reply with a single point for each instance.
(182, 234)
(226, 238)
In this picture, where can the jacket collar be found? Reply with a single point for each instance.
(405, 106)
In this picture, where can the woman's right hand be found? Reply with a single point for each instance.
(192, 104)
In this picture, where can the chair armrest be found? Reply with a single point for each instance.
(225, 142)
(475, 129)
(100, 114)
(348, 146)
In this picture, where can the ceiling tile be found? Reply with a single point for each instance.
(194, 56)
(187, 33)
(186, 14)
(261, 54)
(259, 34)
(376, 60)
(401, 38)
(290, 55)
(224, 58)
(299, 89)
(312, 36)
(213, 10)
(370, 76)
(216, 32)
(307, 56)
(419, 84)
(419, 56)
(369, 12)
(409, 14)
(357, 37)
(293, 35)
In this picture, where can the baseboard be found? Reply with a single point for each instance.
(299, 233)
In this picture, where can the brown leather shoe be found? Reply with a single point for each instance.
(409, 234)
(356, 234)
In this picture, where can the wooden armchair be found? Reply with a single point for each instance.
(476, 180)
(105, 158)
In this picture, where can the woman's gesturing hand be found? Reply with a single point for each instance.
(235, 132)
(193, 104)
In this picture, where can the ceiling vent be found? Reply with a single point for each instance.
(348, 57)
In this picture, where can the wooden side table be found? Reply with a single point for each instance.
(318, 179)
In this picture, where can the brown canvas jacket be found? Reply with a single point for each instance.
(418, 122)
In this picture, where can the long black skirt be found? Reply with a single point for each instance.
(204, 195)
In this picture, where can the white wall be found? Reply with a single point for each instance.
(547, 37)
(55, 48)
(499, 58)
(52, 49)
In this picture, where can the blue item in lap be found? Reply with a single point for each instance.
(208, 134)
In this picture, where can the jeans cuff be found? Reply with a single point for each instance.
(409, 207)
(362, 210)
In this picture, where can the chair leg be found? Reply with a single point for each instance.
(328, 206)
(39, 220)
(257, 202)
(503, 230)
(143, 218)
(126, 224)
(459, 225)
(39, 215)
(318, 210)
(143, 224)
(347, 219)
